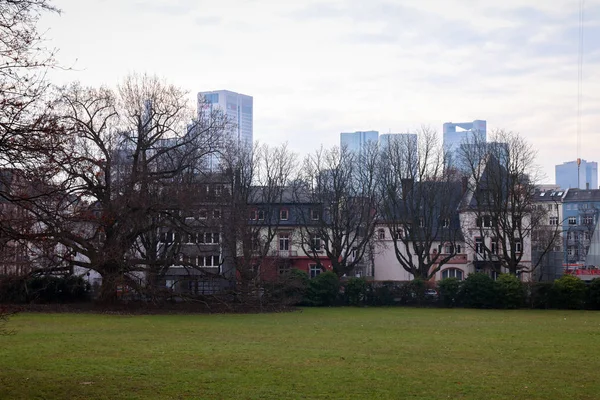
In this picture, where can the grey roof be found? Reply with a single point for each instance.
(550, 195)
(579, 195)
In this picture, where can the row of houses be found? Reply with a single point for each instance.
(275, 234)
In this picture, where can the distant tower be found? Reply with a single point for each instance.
(239, 111)
(355, 141)
(580, 174)
(453, 139)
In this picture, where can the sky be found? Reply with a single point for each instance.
(318, 68)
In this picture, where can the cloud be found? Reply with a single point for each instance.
(208, 20)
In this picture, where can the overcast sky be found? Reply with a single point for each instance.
(317, 68)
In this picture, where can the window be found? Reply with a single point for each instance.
(421, 223)
(283, 214)
(479, 245)
(458, 249)
(448, 248)
(445, 223)
(571, 250)
(452, 273)
(167, 237)
(518, 245)
(586, 235)
(217, 213)
(588, 220)
(208, 261)
(494, 248)
(553, 220)
(202, 214)
(486, 221)
(284, 241)
(253, 215)
(209, 238)
(572, 220)
(284, 269)
(315, 270)
(218, 190)
(261, 215)
(549, 206)
(316, 243)
(314, 214)
(381, 234)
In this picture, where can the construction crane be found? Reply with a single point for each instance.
(579, 87)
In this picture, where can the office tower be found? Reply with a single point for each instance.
(238, 108)
(355, 141)
(584, 177)
(468, 132)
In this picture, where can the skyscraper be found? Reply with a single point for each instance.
(238, 108)
(584, 177)
(453, 139)
(355, 141)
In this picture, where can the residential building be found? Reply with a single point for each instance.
(547, 238)
(581, 210)
(582, 176)
(291, 247)
(467, 132)
(480, 247)
(356, 141)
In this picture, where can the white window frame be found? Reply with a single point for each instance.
(314, 270)
(284, 214)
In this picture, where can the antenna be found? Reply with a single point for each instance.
(579, 86)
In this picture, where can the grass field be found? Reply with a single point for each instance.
(345, 353)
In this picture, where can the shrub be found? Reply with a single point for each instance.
(355, 291)
(510, 291)
(449, 291)
(323, 290)
(44, 289)
(594, 294)
(478, 291)
(539, 294)
(381, 293)
(568, 292)
(288, 289)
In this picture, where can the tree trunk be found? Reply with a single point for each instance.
(111, 279)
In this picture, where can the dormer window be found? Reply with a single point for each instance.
(283, 214)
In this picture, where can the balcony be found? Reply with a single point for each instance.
(485, 257)
(283, 253)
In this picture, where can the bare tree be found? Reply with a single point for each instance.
(260, 179)
(341, 188)
(502, 175)
(25, 125)
(420, 200)
(120, 174)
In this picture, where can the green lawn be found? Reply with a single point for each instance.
(339, 353)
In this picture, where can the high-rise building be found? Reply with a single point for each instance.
(467, 133)
(568, 175)
(355, 141)
(238, 108)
